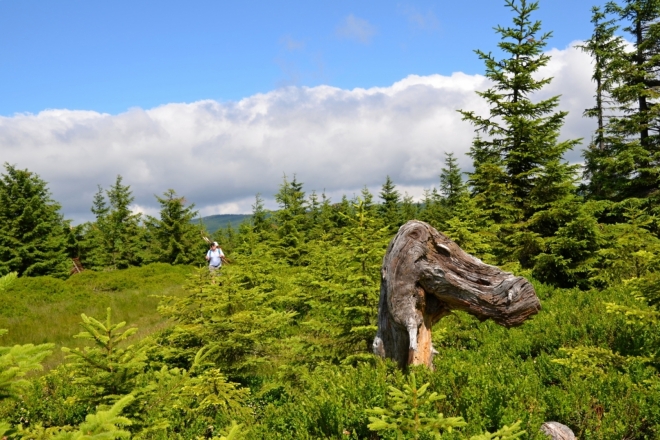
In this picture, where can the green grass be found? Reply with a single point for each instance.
(44, 309)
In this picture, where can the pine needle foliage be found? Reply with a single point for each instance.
(237, 318)
(390, 209)
(604, 46)
(520, 136)
(106, 369)
(33, 238)
(7, 280)
(291, 221)
(452, 187)
(410, 413)
(630, 249)
(175, 236)
(234, 432)
(364, 243)
(104, 425)
(505, 433)
(631, 158)
(16, 362)
(115, 240)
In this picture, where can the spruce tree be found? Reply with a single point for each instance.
(291, 220)
(604, 46)
(124, 226)
(313, 210)
(629, 250)
(411, 413)
(240, 320)
(108, 369)
(368, 200)
(33, 236)
(432, 211)
(521, 181)
(365, 244)
(176, 237)
(631, 161)
(389, 209)
(228, 238)
(452, 186)
(116, 239)
(261, 224)
(521, 136)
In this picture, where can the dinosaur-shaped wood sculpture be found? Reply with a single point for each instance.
(425, 275)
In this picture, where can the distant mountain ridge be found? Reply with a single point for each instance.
(214, 222)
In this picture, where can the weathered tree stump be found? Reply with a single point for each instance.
(425, 275)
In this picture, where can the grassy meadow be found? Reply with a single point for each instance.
(278, 362)
(46, 309)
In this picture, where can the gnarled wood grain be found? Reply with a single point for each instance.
(425, 275)
(557, 431)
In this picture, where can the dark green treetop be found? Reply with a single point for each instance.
(33, 239)
(389, 209)
(632, 158)
(604, 46)
(176, 236)
(114, 240)
(291, 220)
(452, 186)
(519, 136)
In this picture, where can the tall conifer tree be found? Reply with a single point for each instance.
(33, 239)
(604, 46)
(365, 244)
(520, 137)
(391, 198)
(177, 238)
(632, 160)
(452, 186)
(115, 240)
(291, 220)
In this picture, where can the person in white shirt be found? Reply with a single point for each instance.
(214, 257)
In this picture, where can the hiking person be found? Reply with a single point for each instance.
(214, 257)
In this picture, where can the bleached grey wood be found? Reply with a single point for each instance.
(425, 275)
(557, 431)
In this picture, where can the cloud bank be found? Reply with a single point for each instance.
(219, 155)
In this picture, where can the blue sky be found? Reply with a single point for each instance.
(219, 100)
(114, 55)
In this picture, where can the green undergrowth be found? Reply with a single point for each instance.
(45, 309)
(490, 376)
(271, 371)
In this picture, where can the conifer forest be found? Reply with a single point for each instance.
(116, 329)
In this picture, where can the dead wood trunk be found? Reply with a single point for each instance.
(425, 275)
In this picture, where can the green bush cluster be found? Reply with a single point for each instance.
(261, 347)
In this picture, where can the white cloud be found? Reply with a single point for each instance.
(219, 155)
(144, 210)
(358, 29)
(572, 70)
